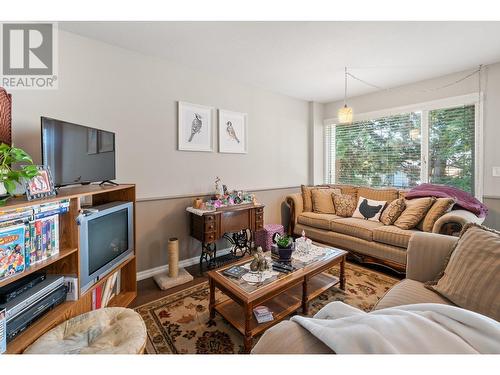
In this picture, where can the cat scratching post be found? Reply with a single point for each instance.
(175, 275)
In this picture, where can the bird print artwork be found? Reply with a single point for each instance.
(196, 125)
(231, 132)
(368, 211)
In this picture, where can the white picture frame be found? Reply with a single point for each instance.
(233, 132)
(195, 130)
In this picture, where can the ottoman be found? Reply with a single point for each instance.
(111, 330)
(264, 237)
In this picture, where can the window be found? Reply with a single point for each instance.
(434, 143)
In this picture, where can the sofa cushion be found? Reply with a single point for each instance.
(345, 204)
(322, 200)
(438, 209)
(392, 235)
(307, 196)
(471, 278)
(355, 227)
(313, 219)
(368, 209)
(414, 212)
(408, 292)
(393, 211)
(387, 195)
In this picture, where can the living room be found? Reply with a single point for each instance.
(280, 185)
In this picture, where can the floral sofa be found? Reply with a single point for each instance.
(367, 241)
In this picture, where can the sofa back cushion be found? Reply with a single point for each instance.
(471, 278)
(322, 200)
(307, 196)
(393, 211)
(386, 194)
(346, 189)
(414, 212)
(345, 204)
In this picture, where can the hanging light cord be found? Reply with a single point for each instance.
(345, 86)
(477, 71)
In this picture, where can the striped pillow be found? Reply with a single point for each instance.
(471, 278)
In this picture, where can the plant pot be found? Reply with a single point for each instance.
(284, 255)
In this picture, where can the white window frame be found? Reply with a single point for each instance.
(475, 99)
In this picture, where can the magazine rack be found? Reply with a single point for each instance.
(67, 260)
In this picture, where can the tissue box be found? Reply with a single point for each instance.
(264, 236)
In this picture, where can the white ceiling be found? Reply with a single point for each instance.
(306, 59)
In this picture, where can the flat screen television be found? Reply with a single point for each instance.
(106, 240)
(77, 154)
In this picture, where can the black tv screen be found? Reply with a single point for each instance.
(77, 154)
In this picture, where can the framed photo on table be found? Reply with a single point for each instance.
(40, 186)
(232, 132)
(195, 127)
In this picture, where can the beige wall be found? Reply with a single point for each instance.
(415, 93)
(136, 96)
(158, 220)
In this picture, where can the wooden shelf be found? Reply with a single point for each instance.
(103, 280)
(122, 299)
(65, 193)
(67, 260)
(48, 321)
(39, 266)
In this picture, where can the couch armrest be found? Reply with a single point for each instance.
(296, 204)
(453, 222)
(426, 255)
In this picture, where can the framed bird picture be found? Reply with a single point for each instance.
(195, 127)
(232, 132)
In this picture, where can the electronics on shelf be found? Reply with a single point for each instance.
(77, 154)
(106, 240)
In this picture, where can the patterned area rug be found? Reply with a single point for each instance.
(178, 324)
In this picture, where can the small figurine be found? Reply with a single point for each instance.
(259, 262)
(224, 189)
(219, 192)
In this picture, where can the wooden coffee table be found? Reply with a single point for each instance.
(283, 294)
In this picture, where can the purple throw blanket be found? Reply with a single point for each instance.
(463, 199)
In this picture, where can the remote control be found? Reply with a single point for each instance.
(287, 267)
(279, 269)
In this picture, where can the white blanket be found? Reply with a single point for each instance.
(410, 329)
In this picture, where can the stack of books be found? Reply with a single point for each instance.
(29, 235)
(103, 293)
(263, 314)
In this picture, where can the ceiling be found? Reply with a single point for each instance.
(306, 59)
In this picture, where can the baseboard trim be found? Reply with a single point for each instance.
(141, 275)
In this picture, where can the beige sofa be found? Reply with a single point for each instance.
(426, 256)
(368, 241)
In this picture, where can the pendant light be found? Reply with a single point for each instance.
(345, 113)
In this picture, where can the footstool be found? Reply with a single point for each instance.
(264, 237)
(111, 330)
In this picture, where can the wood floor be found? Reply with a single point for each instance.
(148, 291)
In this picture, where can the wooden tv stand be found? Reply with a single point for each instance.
(67, 260)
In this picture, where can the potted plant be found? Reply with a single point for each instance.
(285, 246)
(10, 175)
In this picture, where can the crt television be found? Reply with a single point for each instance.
(106, 240)
(77, 154)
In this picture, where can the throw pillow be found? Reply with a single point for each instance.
(393, 211)
(345, 204)
(471, 279)
(438, 209)
(322, 200)
(414, 212)
(307, 197)
(369, 209)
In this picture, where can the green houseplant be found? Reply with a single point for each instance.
(10, 175)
